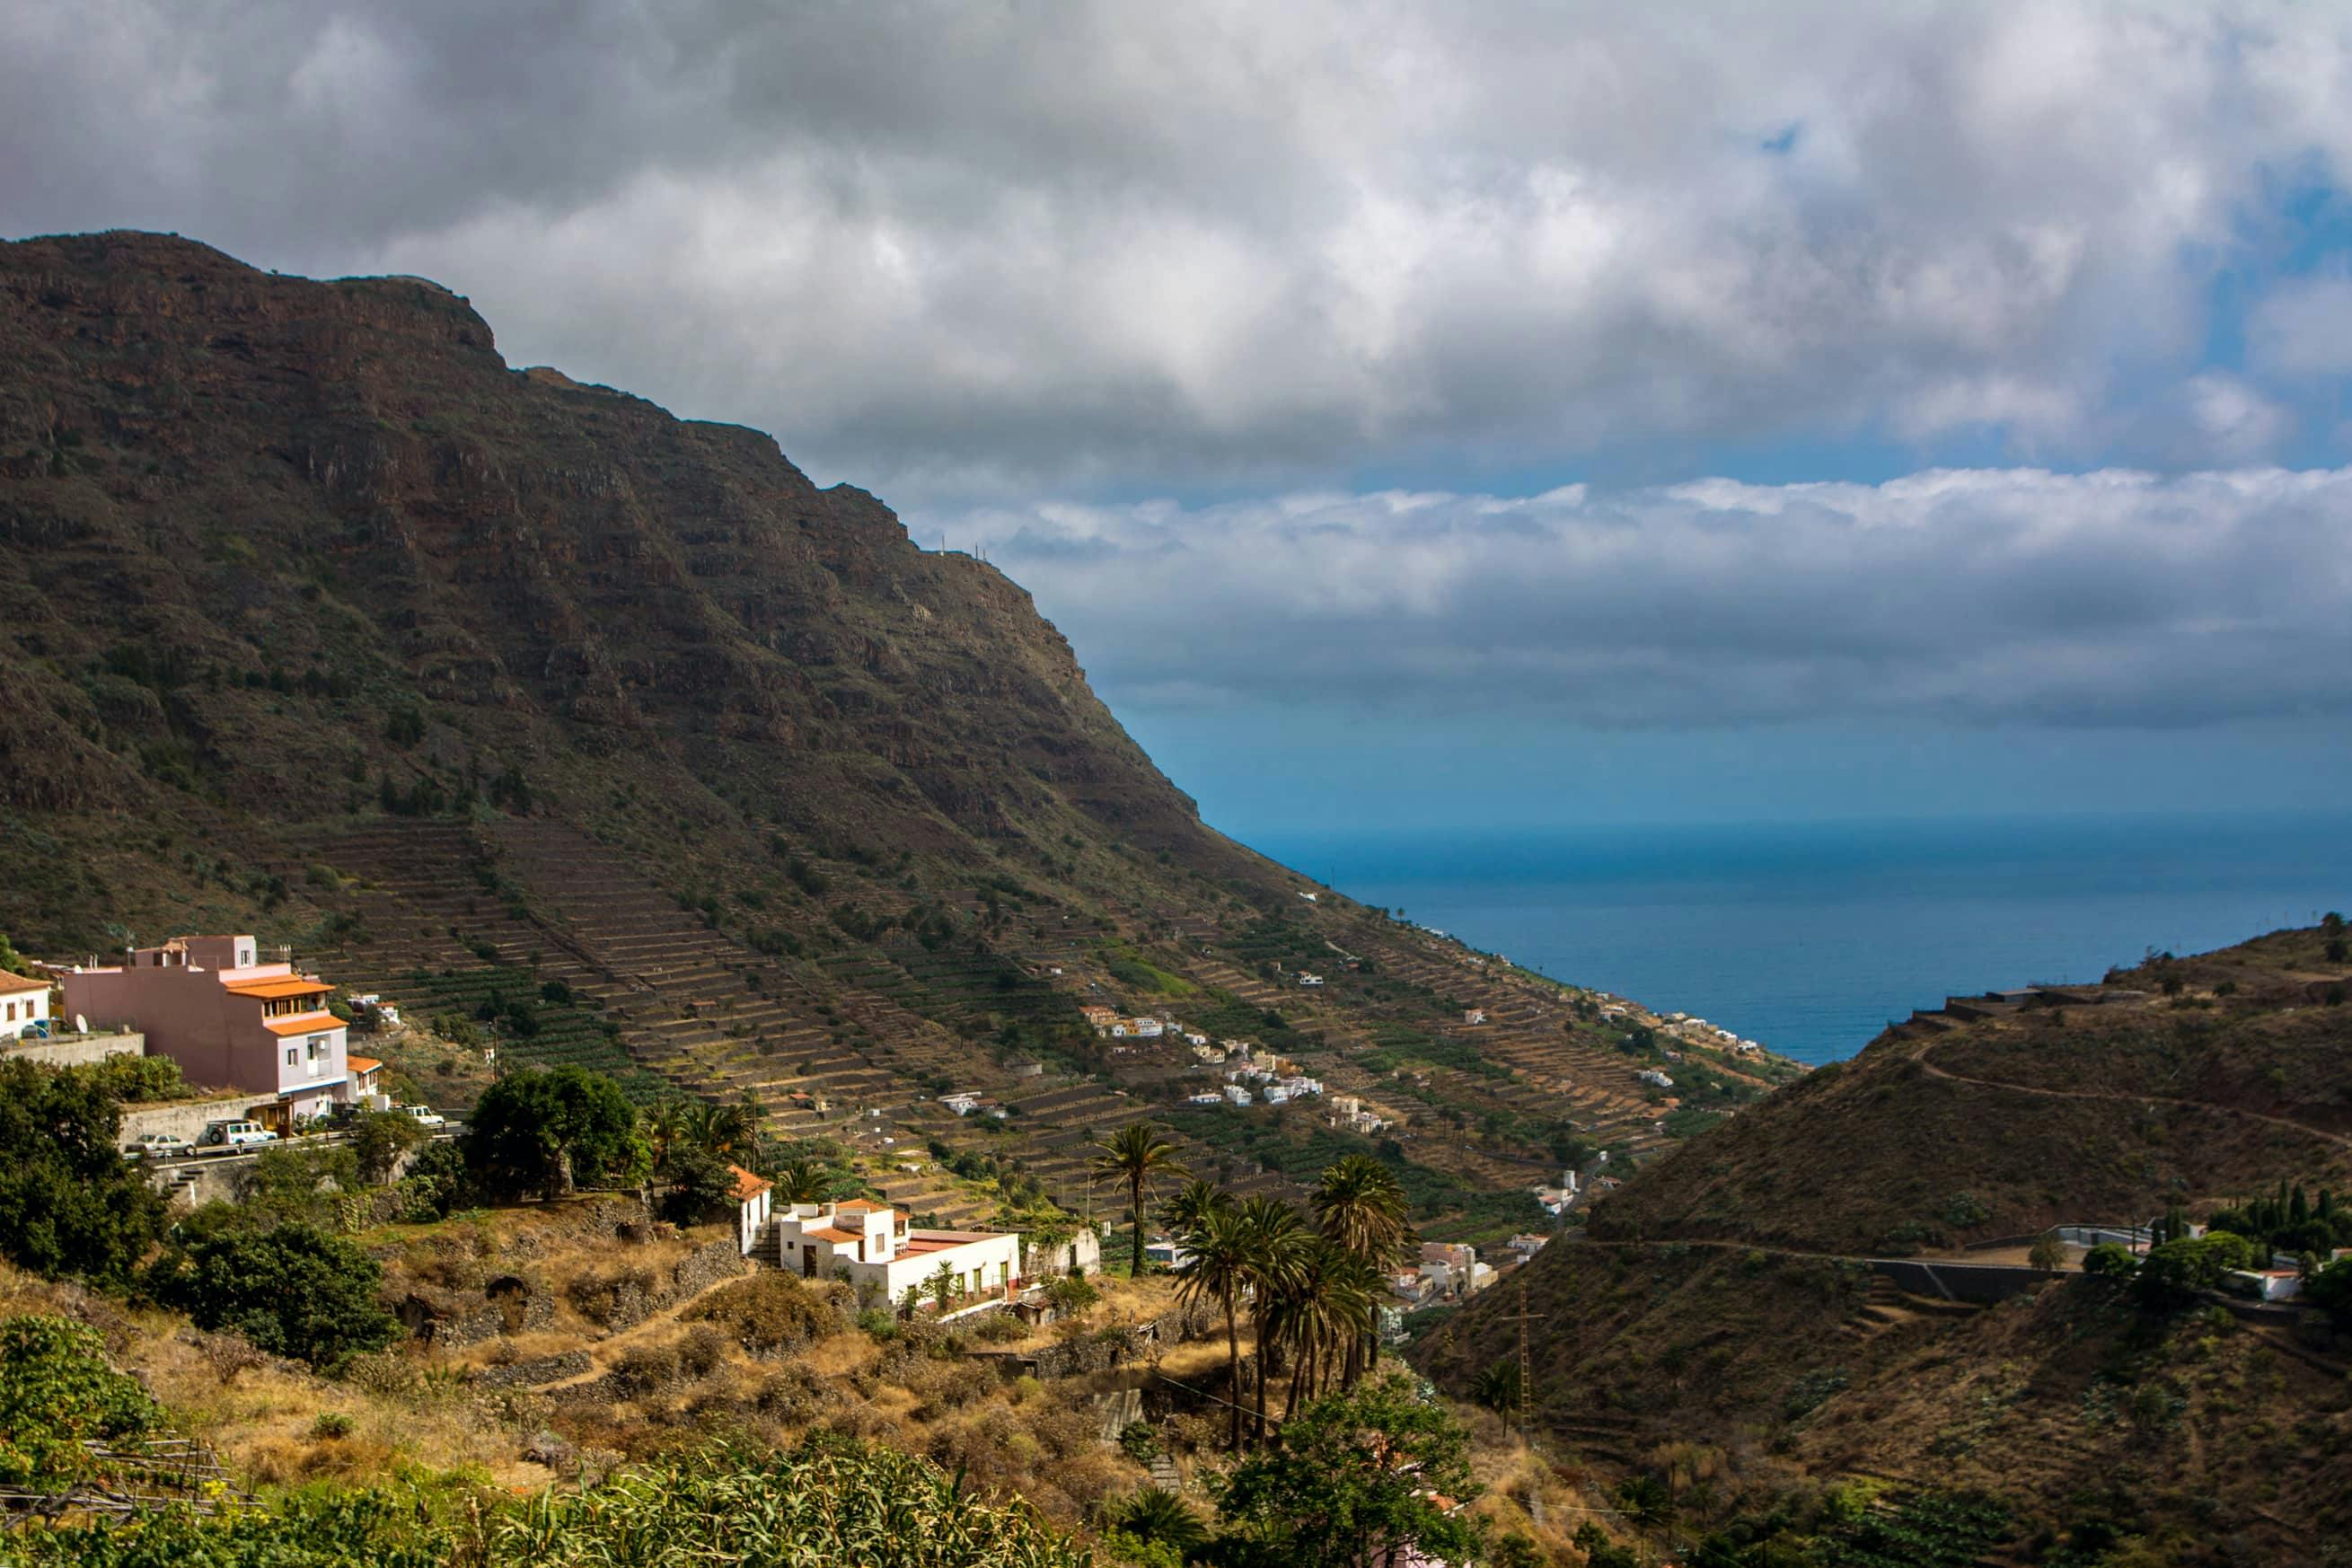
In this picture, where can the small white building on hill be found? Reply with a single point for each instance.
(884, 1256)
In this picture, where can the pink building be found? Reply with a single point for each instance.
(229, 1022)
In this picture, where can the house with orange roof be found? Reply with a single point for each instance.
(754, 1197)
(229, 1019)
(886, 1257)
(24, 1006)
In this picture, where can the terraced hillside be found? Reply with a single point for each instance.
(1836, 1287)
(608, 738)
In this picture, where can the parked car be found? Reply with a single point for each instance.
(157, 1146)
(238, 1134)
(425, 1115)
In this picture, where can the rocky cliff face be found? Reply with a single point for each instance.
(272, 543)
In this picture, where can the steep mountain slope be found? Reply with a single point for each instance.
(2180, 1080)
(1726, 1314)
(525, 702)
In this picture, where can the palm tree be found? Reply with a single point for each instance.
(665, 1131)
(1326, 1302)
(1156, 1515)
(1194, 1199)
(1277, 1246)
(1138, 1154)
(1222, 1253)
(801, 1182)
(1361, 1208)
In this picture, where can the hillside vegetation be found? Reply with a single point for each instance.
(603, 738)
(1724, 1346)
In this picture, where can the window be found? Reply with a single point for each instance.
(318, 1044)
(11, 1012)
(292, 1056)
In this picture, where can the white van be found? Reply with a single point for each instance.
(238, 1134)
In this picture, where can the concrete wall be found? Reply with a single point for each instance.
(186, 1119)
(1980, 1282)
(76, 1050)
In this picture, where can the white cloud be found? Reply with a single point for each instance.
(952, 251)
(1975, 597)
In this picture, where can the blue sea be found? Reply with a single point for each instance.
(1810, 938)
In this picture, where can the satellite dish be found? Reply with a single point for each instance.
(82, 1025)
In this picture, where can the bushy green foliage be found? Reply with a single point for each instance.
(2330, 1291)
(69, 1203)
(832, 1499)
(545, 1129)
(1351, 1483)
(379, 1140)
(133, 1079)
(2110, 1260)
(2172, 1273)
(291, 1290)
(311, 1530)
(56, 1390)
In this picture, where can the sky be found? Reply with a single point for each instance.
(1416, 414)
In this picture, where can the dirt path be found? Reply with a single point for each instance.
(1927, 1047)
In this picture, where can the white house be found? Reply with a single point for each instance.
(1310, 980)
(885, 1258)
(24, 1006)
(754, 1199)
(2263, 1284)
(1299, 1085)
(1204, 1099)
(1236, 1095)
(963, 1102)
(1276, 1095)
(1652, 1076)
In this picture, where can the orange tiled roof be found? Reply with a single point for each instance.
(309, 1023)
(275, 987)
(747, 1186)
(362, 1064)
(12, 983)
(829, 1234)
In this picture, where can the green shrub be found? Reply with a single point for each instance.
(771, 1312)
(291, 1290)
(56, 1391)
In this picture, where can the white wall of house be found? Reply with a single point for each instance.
(20, 1010)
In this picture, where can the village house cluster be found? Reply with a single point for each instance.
(246, 1026)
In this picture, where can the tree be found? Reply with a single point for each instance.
(1278, 1250)
(2176, 1271)
(1355, 1481)
(1222, 1253)
(2330, 1289)
(292, 1290)
(1325, 1306)
(1193, 1201)
(1497, 1388)
(801, 1182)
(381, 1139)
(700, 1186)
(546, 1129)
(2047, 1252)
(70, 1205)
(1362, 1209)
(1156, 1517)
(1137, 1156)
(2110, 1260)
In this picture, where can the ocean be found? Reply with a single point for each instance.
(1810, 938)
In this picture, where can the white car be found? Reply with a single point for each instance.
(157, 1146)
(425, 1115)
(238, 1134)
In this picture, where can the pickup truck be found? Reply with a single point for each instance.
(157, 1146)
(237, 1135)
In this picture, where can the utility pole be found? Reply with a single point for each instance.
(1526, 1369)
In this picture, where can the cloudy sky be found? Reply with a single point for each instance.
(1506, 413)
